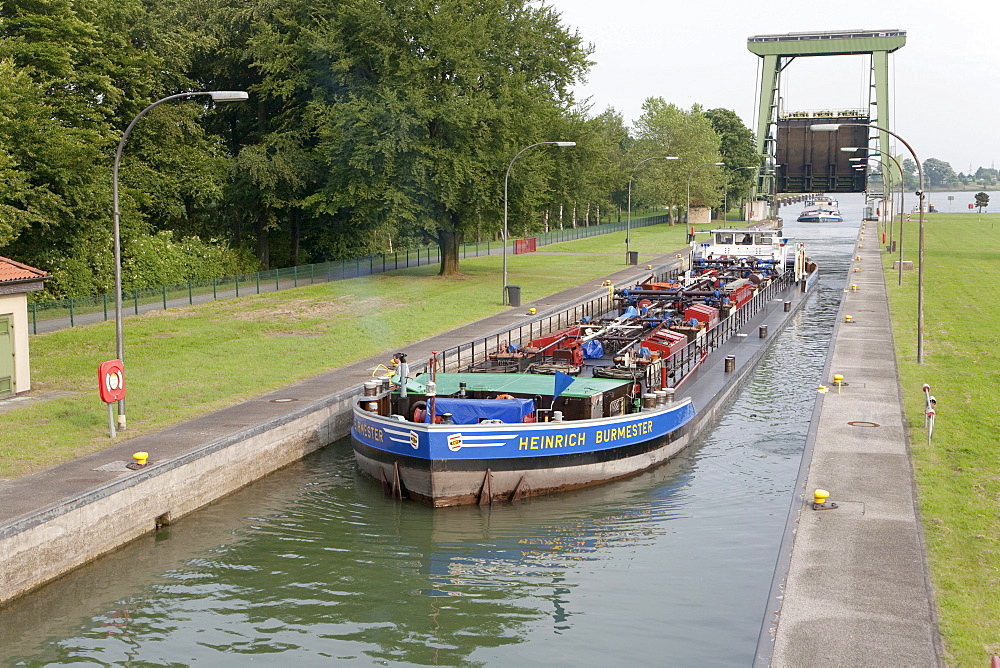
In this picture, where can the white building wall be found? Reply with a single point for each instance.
(17, 305)
(700, 215)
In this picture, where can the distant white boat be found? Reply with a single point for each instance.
(820, 214)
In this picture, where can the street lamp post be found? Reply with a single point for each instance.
(887, 196)
(833, 127)
(628, 219)
(505, 179)
(217, 96)
(687, 220)
(902, 202)
(865, 164)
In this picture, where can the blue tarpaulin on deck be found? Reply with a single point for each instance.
(473, 411)
(593, 350)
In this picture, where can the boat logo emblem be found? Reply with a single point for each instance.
(455, 442)
(414, 440)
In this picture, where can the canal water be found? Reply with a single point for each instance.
(313, 564)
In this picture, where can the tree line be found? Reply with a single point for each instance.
(940, 175)
(370, 125)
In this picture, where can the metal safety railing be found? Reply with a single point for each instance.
(477, 351)
(75, 311)
(676, 367)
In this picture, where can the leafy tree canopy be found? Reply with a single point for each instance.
(982, 200)
(738, 149)
(370, 123)
(938, 173)
(665, 129)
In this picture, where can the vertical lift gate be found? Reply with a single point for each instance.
(811, 162)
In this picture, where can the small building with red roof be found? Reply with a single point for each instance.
(16, 281)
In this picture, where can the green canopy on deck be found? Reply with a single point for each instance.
(511, 383)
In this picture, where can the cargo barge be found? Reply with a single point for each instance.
(597, 401)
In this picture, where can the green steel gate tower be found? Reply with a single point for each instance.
(793, 160)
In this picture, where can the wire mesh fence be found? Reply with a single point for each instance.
(58, 314)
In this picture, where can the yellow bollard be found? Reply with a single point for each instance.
(857, 269)
(838, 380)
(649, 266)
(820, 500)
(140, 458)
(854, 288)
(532, 311)
(857, 257)
(848, 318)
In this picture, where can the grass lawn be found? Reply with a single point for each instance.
(958, 473)
(190, 361)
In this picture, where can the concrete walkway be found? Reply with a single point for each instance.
(852, 586)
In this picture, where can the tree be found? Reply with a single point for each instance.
(76, 73)
(738, 149)
(615, 168)
(987, 175)
(982, 201)
(584, 178)
(910, 180)
(418, 106)
(938, 173)
(667, 130)
(275, 51)
(57, 205)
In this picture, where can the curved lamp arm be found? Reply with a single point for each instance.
(218, 96)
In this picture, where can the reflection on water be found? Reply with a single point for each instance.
(313, 563)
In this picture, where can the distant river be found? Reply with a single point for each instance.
(313, 564)
(960, 204)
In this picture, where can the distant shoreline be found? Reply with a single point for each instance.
(993, 189)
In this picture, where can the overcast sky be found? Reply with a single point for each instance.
(944, 84)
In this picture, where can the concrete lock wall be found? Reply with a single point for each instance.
(57, 540)
(756, 211)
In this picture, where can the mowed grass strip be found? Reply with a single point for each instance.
(958, 473)
(187, 362)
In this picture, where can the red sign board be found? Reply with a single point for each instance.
(971, 205)
(111, 381)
